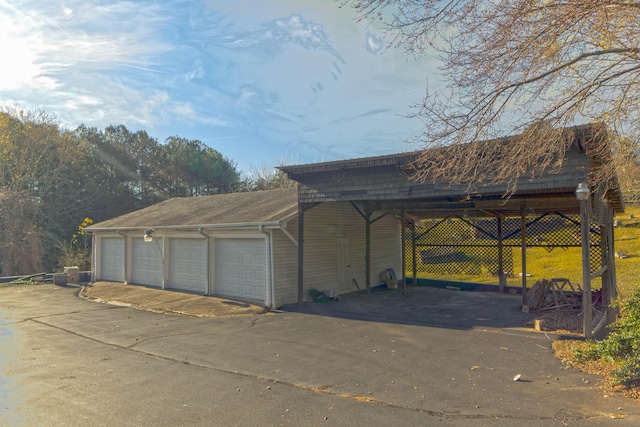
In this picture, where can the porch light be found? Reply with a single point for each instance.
(148, 236)
(582, 192)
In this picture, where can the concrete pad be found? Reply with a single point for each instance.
(167, 301)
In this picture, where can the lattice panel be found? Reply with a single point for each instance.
(457, 245)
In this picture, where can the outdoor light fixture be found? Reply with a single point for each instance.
(148, 236)
(582, 192)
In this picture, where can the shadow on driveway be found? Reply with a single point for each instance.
(424, 306)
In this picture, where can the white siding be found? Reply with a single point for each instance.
(386, 247)
(325, 226)
(285, 262)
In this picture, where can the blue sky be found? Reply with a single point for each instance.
(261, 81)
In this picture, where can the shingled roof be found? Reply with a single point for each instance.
(249, 208)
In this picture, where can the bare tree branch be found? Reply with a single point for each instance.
(517, 67)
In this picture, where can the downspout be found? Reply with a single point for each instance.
(206, 236)
(270, 296)
(94, 257)
(126, 254)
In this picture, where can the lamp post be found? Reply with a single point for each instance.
(582, 194)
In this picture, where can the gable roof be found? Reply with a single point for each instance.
(267, 207)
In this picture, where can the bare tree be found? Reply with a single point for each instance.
(266, 177)
(517, 67)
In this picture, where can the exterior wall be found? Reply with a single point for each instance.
(285, 264)
(333, 231)
(330, 227)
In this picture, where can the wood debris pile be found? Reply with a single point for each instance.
(557, 293)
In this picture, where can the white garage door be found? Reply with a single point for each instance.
(188, 265)
(112, 259)
(241, 266)
(147, 262)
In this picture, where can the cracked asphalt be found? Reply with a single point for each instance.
(434, 357)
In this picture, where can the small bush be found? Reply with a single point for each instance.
(622, 345)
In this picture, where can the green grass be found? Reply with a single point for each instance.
(627, 240)
(19, 282)
(567, 262)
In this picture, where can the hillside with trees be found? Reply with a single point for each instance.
(53, 179)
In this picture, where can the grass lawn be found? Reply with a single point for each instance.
(627, 240)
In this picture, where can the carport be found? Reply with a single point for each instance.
(569, 195)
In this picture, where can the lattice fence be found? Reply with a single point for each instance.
(456, 245)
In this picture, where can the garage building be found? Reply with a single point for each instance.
(244, 246)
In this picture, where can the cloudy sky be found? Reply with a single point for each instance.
(261, 81)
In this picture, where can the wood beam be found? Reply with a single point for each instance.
(414, 252)
(501, 278)
(587, 312)
(612, 289)
(523, 249)
(403, 228)
(300, 254)
(367, 257)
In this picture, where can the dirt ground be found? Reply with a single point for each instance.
(566, 322)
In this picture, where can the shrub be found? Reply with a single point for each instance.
(622, 345)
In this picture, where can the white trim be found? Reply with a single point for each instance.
(237, 236)
(271, 284)
(286, 233)
(194, 227)
(94, 254)
(269, 297)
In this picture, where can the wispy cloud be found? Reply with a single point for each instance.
(273, 36)
(276, 75)
(374, 43)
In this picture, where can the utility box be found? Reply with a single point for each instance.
(73, 274)
(60, 279)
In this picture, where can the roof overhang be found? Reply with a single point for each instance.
(262, 225)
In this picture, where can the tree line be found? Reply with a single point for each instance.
(54, 180)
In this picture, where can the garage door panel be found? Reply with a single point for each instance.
(188, 265)
(147, 262)
(241, 268)
(112, 259)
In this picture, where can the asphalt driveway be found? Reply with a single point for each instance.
(434, 357)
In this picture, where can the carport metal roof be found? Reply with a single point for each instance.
(379, 184)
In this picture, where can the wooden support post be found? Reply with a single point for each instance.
(612, 290)
(300, 254)
(501, 279)
(523, 248)
(403, 227)
(414, 251)
(367, 256)
(604, 257)
(587, 312)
